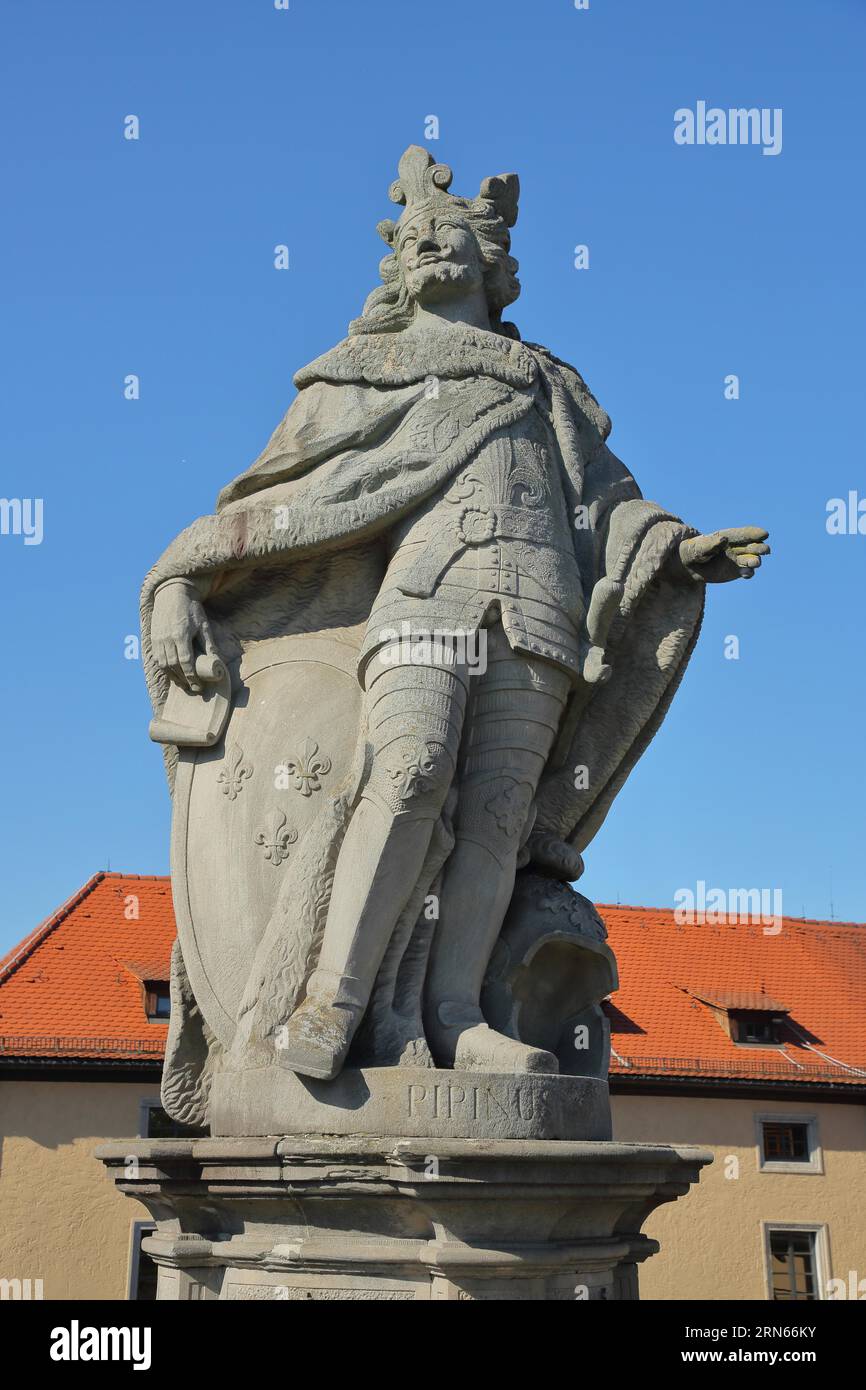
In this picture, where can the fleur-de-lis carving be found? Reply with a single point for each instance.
(233, 775)
(276, 840)
(307, 768)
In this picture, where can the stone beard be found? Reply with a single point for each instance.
(371, 854)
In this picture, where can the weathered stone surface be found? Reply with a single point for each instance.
(401, 674)
(417, 1102)
(396, 1219)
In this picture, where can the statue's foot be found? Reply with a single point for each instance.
(316, 1039)
(461, 1039)
(481, 1048)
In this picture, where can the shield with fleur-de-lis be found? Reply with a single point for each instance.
(242, 808)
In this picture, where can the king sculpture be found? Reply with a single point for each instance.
(400, 675)
(446, 625)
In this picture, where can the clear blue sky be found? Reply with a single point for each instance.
(260, 127)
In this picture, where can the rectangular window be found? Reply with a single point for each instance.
(144, 1270)
(785, 1142)
(788, 1143)
(792, 1266)
(157, 1000)
(759, 1029)
(156, 1123)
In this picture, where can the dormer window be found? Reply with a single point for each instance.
(157, 1001)
(749, 1017)
(751, 1026)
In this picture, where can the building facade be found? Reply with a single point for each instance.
(747, 1042)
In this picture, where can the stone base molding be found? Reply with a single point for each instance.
(355, 1218)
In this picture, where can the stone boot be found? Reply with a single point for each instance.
(316, 1038)
(460, 1038)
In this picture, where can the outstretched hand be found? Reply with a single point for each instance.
(723, 555)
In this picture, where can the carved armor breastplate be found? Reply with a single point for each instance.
(497, 537)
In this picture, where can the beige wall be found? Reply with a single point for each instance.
(61, 1219)
(712, 1240)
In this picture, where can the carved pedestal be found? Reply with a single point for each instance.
(415, 1102)
(366, 1218)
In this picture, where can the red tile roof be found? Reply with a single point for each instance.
(74, 988)
(662, 1021)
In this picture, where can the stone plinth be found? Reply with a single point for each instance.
(358, 1218)
(417, 1102)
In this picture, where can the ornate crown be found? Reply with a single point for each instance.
(421, 180)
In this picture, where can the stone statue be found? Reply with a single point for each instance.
(400, 676)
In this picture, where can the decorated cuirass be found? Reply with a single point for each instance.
(495, 542)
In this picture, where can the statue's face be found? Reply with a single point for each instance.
(438, 255)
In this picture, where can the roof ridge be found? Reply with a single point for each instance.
(20, 953)
(668, 912)
(118, 873)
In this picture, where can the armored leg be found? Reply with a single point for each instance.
(414, 720)
(512, 719)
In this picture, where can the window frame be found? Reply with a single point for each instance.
(136, 1231)
(148, 1103)
(145, 1105)
(813, 1164)
(156, 989)
(823, 1270)
(739, 1017)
